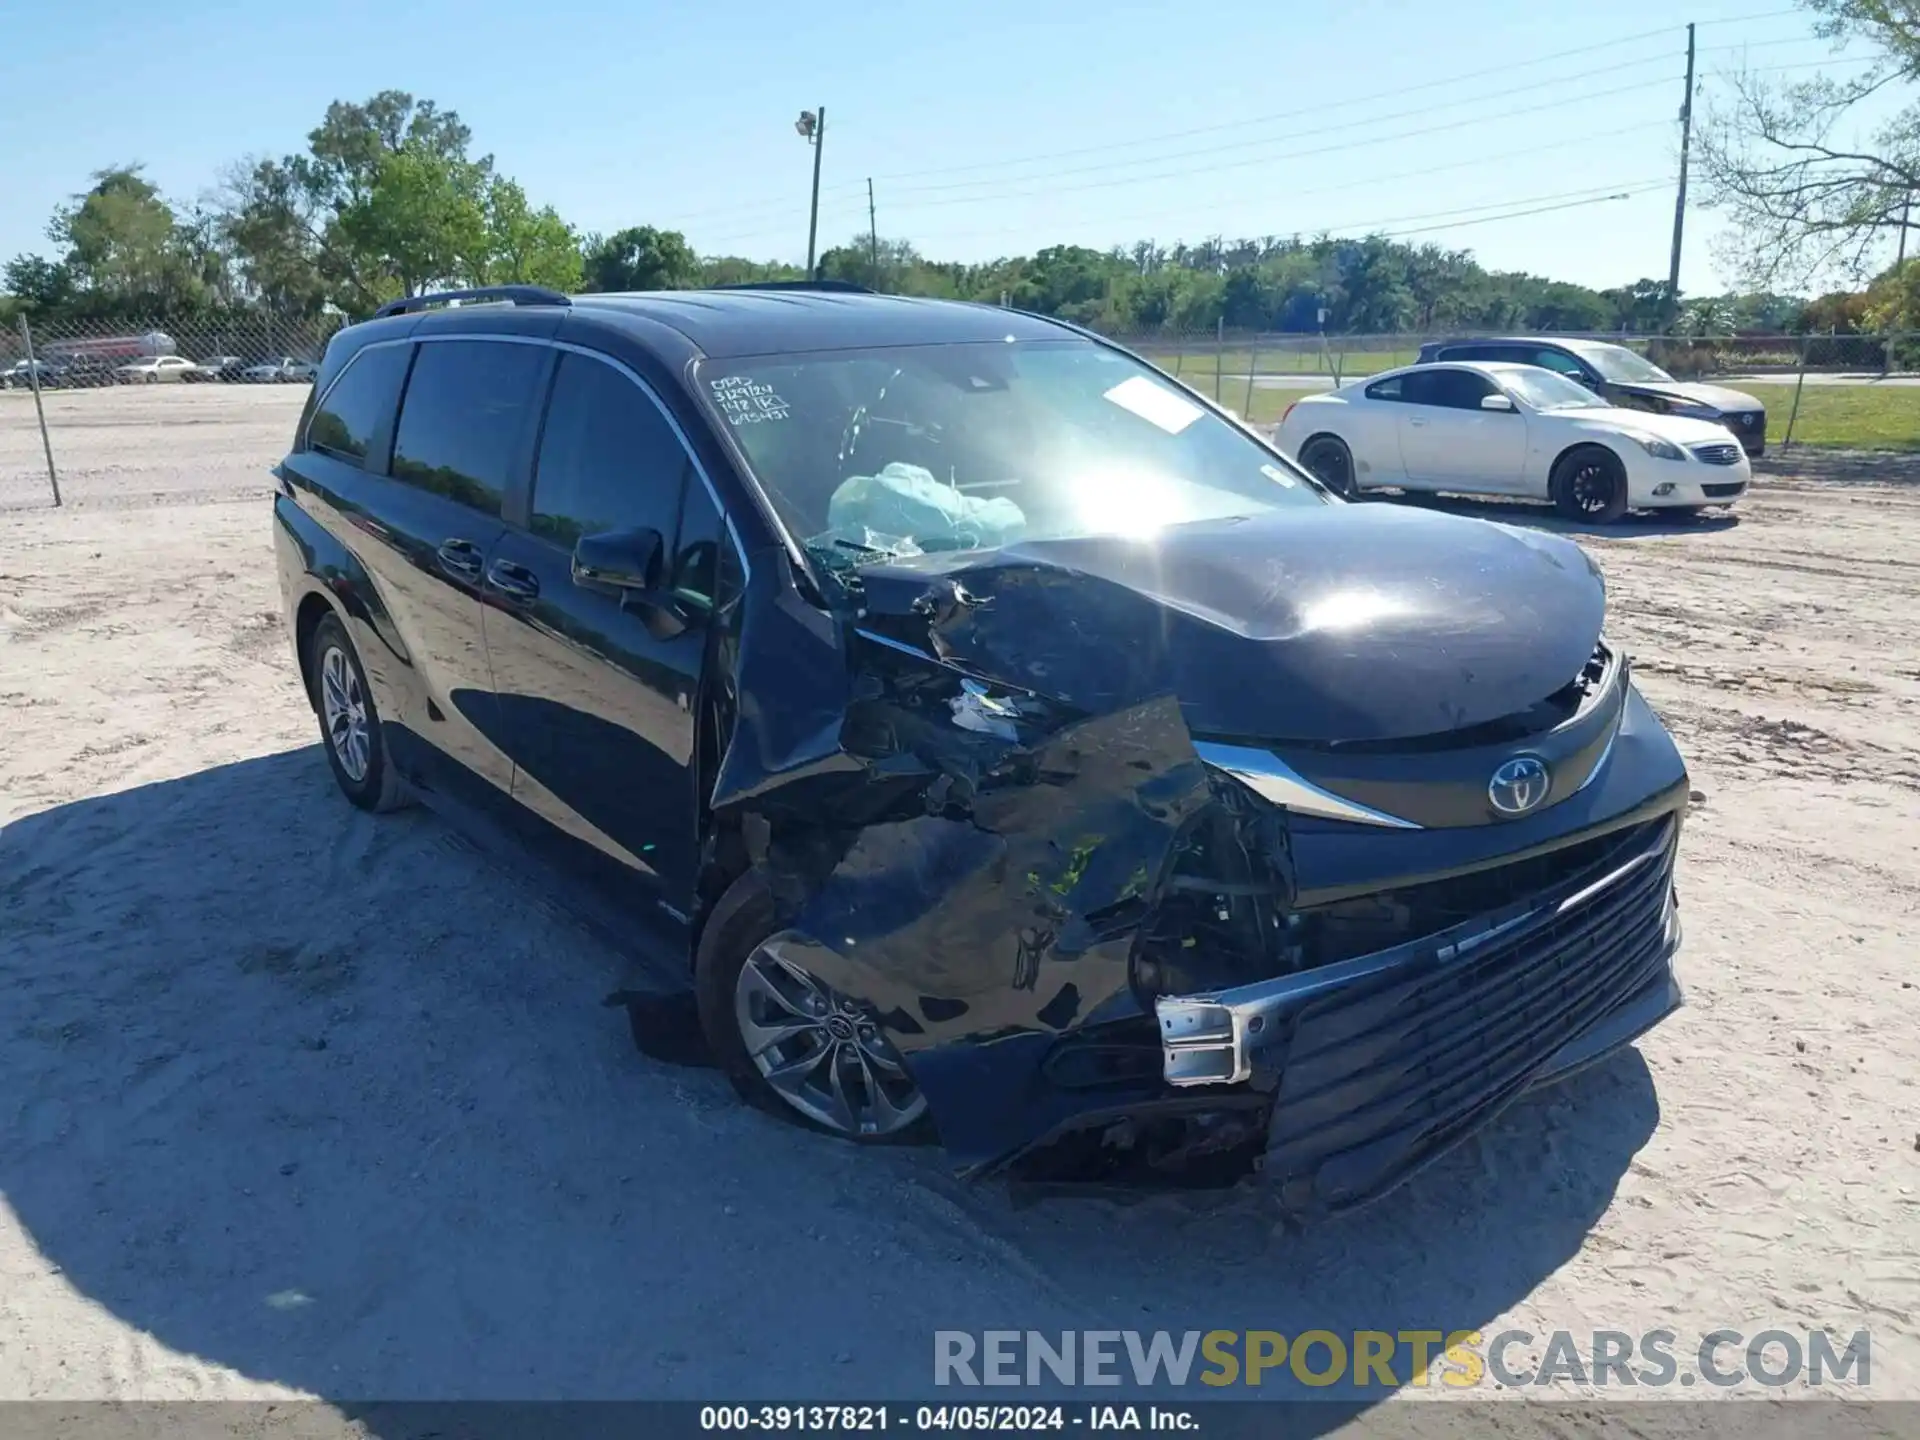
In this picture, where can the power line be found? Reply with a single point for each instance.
(1134, 143)
(1520, 214)
(1243, 123)
(1397, 92)
(1338, 128)
(1585, 195)
(1240, 164)
(751, 209)
(1473, 163)
(1311, 150)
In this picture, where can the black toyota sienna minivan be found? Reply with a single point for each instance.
(989, 739)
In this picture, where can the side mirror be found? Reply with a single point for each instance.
(624, 559)
(1497, 402)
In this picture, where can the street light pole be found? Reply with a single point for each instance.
(812, 126)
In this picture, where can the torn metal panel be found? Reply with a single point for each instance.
(1009, 917)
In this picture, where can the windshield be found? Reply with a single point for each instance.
(885, 453)
(1624, 366)
(1545, 390)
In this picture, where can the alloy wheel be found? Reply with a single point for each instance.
(343, 707)
(1330, 464)
(1592, 488)
(821, 1052)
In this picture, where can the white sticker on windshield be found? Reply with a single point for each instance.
(1155, 404)
(1274, 472)
(748, 402)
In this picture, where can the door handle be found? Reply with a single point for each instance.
(516, 582)
(1416, 422)
(461, 557)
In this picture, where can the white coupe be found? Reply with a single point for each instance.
(1482, 428)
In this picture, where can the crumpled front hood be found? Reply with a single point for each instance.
(1691, 392)
(1352, 622)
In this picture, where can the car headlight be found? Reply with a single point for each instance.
(1694, 412)
(1655, 446)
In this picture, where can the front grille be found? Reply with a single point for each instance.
(1724, 490)
(1380, 1076)
(1717, 454)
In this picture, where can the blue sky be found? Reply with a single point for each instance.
(989, 128)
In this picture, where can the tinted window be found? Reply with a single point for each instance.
(359, 403)
(466, 411)
(696, 561)
(608, 458)
(1394, 389)
(1455, 389)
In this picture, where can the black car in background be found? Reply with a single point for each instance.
(988, 737)
(1622, 376)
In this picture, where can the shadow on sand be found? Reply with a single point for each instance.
(330, 1101)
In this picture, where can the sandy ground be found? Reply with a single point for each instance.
(297, 1101)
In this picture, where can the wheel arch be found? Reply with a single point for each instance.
(313, 608)
(1589, 442)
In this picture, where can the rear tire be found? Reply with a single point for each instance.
(730, 942)
(350, 729)
(1589, 484)
(1328, 460)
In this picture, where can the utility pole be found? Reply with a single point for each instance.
(873, 237)
(1899, 264)
(812, 126)
(1680, 200)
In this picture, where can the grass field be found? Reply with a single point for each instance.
(1197, 368)
(1850, 417)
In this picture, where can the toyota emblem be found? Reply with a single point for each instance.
(1519, 786)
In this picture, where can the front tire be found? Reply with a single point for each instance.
(1589, 484)
(1328, 460)
(349, 723)
(788, 1042)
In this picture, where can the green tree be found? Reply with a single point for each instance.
(422, 223)
(734, 270)
(525, 246)
(119, 236)
(640, 258)
(38, 284)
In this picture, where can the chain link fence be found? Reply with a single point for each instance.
(1851, 391)
(63, 380)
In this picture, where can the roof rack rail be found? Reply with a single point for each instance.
(517, 294)
(845, 287)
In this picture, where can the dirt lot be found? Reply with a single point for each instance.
(298, 1101)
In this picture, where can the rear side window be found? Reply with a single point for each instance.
(359, 404)
(1456, 389)
(608, 458)
(1394, 389)
(465, 417)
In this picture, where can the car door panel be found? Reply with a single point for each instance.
(464, 429)
(1450, 443)
(1375, 442)
(596, 689)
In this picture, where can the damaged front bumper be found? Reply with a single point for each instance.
(1379, 1063)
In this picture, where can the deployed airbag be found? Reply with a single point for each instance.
(904, 510)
